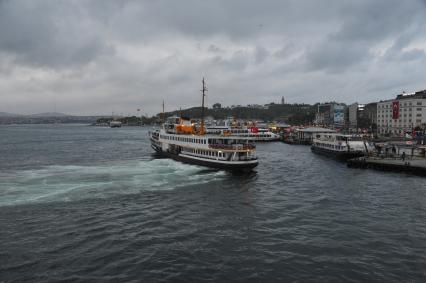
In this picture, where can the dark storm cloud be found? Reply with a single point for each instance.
(364, 26)
(98, 56)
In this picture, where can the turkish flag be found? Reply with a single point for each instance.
(395, 109)
(254, 130)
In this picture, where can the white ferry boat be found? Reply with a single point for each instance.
(340, 146)
(115, 124)
(182, 140)
(253, 133)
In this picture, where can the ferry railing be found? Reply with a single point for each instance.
(233, 146)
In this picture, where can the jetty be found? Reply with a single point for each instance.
(412, 165)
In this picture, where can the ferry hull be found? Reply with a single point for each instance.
(235, 167)
(343, 155)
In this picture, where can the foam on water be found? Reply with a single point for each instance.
(74, 182)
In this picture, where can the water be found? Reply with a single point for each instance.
(81, 203)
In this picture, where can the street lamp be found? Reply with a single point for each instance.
(139, 110)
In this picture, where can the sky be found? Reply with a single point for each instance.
(94, 57)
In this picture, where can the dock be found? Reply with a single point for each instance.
(415, 166)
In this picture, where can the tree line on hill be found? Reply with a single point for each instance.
(295, 114)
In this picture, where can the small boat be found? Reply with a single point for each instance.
(115, 124)
(342, 147)
(181, 139)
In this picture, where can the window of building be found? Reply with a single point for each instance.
(419, 109)
(419, 103)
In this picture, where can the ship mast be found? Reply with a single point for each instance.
(164, 114)
(203, 91)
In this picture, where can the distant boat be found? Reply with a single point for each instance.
(115, 124)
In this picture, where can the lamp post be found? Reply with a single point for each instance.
(139, 110)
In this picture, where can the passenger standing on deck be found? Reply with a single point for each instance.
(403, 156)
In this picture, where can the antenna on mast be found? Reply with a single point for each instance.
(204, 90)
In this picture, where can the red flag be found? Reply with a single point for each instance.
(395, 109)
(254, 130)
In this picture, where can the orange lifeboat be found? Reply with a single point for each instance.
(185, 129)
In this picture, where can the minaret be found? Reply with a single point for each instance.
(282, 100)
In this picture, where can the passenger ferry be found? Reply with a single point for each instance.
(115, 124)
(342, 147)
(252, 133)
(182, 140)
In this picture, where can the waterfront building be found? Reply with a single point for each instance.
(362, 116)
(370, 115)
(353, 117)
(403, 114)
(331, 115)
(306, 135)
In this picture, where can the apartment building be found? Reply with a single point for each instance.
(403, 114)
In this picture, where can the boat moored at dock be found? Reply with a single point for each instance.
(250, 133)
(342, 147)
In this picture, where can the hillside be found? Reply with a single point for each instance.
(6, 114)
(290, 113)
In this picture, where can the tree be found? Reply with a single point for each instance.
(217, 106)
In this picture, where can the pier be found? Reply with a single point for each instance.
(414, 165)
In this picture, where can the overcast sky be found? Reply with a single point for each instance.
(95, 57)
